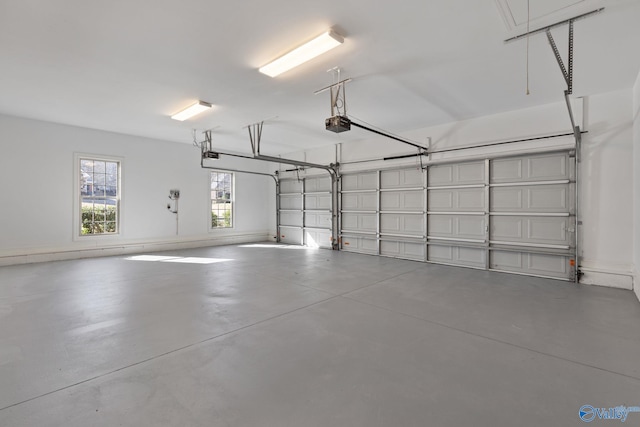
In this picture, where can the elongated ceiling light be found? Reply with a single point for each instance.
(191, 111)
(302, 54)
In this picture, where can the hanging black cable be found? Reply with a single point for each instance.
(387, 135)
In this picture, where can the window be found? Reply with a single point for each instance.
(99, 196)
(221, 200)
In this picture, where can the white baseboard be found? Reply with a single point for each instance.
(611, 278)
(34, 255)
(636, 284)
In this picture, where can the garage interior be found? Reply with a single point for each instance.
(433, 223)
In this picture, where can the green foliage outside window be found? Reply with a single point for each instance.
(98, 219)
(225, 221)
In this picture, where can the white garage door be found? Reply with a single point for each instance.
(359, 212)
(383, 213)
(305, 211)
(457, 214)
(532, 205)
(291, 211)
(317, 212)
(512, 214)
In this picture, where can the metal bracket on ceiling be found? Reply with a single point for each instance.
(338, 97)
(567, 72)
(255, 135)
(568, 76)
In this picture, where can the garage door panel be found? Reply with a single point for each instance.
(534, 230)
(317, 201)
(457, 226)
(317, 184)
(507, 228)
(360, 201)
(291, 202)
(402, 224)
(442, 225)
(544, 167)
(539, 198)
(458, 200)
(468, 257)
(359, 222)
(404, 250)
(456, 174)
(317, 238)
(469, 173)
(290, 186)
(548, 167)
(506, 199)
(545, 198)
(470, 199)
(531, 263)
(291, 218)
(317, 220)
(506, 170)
(401, 178)
(361, 245)
(441, 200)
(292, 236)
(402, 201)
(549, 230)
(440, 175)
(363, 181)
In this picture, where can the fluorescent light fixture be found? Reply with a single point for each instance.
(302, 54)
(191, 111)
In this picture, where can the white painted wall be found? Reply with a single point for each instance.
(607, 195)
(636, 184)
(36, 172)
(606, 198)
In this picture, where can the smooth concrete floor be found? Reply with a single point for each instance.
(268, 335)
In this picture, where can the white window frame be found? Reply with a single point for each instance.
(233, 201)
(77, 205)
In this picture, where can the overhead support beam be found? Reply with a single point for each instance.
(557, 24)
(330, 168)
(203, 166)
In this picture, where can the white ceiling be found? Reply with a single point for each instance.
(127, 65)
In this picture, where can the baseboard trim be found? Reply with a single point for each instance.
(62, 254)
(607, 277)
